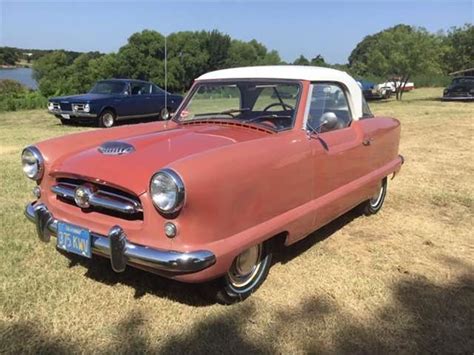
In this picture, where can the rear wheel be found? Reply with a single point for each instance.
(246, 274)
(107, 119)
(374, 204)
(164, 114)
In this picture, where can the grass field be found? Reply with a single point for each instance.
(399, 281)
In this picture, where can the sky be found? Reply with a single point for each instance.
(330, 28)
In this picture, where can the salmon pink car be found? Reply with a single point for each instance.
(253, 157)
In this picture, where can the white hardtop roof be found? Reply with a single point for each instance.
(294, 72)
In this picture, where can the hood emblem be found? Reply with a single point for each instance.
(116, 148)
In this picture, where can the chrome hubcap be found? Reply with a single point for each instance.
(164, 114)
(245, 266)
(108, 120)
(375, 200)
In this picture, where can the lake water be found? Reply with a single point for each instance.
(23, 75)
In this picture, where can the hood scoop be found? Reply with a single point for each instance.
(116, 148)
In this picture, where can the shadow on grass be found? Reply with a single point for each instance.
(286, 254)
(423, 317)
(143, 283)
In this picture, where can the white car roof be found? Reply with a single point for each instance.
(294, 72)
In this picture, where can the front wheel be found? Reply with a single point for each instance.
(374, 204)
(246, 274)
(107, 119)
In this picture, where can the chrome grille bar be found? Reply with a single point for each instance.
(100, 198)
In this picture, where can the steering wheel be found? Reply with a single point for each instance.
(285, 106)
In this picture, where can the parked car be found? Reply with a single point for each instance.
(210, 193)
(391, 85)
(372, 91)
(461, 88)
(113, 100)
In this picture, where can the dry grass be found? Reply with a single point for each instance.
(400, 281)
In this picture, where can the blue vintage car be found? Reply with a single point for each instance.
(113, 100)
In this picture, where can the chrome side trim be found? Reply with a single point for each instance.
(122, 252)
(100, 198)
(137, 116)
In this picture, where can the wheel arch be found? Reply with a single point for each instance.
(109, 108)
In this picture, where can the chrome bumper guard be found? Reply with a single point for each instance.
(120, 251)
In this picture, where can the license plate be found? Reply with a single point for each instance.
(74, 239)
(66, 115)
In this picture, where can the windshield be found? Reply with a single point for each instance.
(468, 81)
(108, 87)
(268, 103)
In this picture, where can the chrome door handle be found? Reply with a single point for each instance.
(367, 141)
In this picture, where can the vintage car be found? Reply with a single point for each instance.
(116, 99)
(461, 88)
(209, 194)
(372, 91)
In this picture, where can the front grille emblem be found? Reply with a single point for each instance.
(82, 196)
(116, 148)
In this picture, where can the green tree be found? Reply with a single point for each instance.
(301, 60)
(81, 76)
(398, 52)
(319, 61)
(217, 46)
(459, 52)
(9, 56)
(52, 72)
(243, 54)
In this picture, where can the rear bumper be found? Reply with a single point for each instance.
(121, 252)
(73, 114)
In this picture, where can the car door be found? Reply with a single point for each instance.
(339, 157)
(137, 103)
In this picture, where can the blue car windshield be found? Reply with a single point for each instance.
(108, 87)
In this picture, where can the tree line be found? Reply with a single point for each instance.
(401, 51)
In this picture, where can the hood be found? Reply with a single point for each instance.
(81, 98)
(152, 152)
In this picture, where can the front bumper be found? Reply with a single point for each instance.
(73, 114)
(121, 252)
(458, 98)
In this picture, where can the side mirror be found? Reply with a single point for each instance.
(329, 120)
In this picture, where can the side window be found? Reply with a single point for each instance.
(140, 89)
(328, 99)
(156, 90)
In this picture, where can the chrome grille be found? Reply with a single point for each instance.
(65, 106)
(103, 199)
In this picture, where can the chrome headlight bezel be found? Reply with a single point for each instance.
(38, 162)
(172, 178)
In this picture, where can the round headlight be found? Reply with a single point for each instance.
(33, 163)
(87, 108)
(50, 106)
(167, 191)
